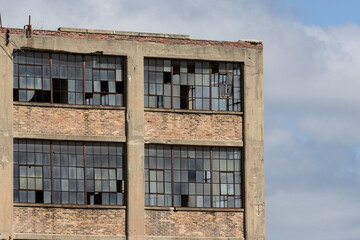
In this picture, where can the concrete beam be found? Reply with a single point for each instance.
(6, 142)
(135, 213)
(254, 146)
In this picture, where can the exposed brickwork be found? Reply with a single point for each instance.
(194, 224)
(69, 221)
(135, 38)
(193, 126)
(80, 122)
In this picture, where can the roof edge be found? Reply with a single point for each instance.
(124, 33)
(251, 41)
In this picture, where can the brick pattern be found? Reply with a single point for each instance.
(69, 121)
(135, 38)
(193, 126)
(69, 221)
(194, 224)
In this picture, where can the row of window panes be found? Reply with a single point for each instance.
(190, 176)
(59, 78)
(187, 84)
(61, 172)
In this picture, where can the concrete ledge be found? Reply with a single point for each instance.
(58, 105)
(191, 238)
(124, 33)
(192, 209)
(26, 135)
(188, 111)
(68, 206)
(66, 236)
(195, 142)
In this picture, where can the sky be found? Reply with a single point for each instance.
(311, 85)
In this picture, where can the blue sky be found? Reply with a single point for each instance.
(325, 13)
(311, 83)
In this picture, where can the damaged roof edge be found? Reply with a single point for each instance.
(251, 41)
(124, 33)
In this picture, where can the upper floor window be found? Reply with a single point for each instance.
(68, 78)
(188, 84)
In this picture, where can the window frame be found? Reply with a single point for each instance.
(207, 178)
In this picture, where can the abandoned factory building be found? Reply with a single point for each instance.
(124, 135)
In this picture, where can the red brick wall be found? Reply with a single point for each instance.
(194, 224)
(193, 126)
(69, 221)
(71, 121)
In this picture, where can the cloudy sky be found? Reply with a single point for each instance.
(312, 104)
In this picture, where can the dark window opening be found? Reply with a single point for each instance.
(120, 87)
(167, 77)
(104, 86)
(94, 198)
(88, 95)
(176, 67)
(119, 186)
(191, 67)
(60, 97)
(184, 200)
(60, 84)
(46, 96)
(39, 196)
(16, 95)
(185, 95)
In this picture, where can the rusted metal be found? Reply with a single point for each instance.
(28, 28)
(85, 190)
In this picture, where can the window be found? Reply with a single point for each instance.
(68, 78)
(189, 176)
(188, 84)
(64, 172)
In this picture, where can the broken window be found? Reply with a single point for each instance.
(104, 174)
(68, 78)
(60, 172)
(187, 176)
(32, 171)
(188, 84)
(31, 80)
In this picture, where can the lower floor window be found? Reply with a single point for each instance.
(65, 172)
(189, 176)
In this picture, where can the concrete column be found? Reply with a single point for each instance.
(6, 143)
(135, 145)
(254, 146)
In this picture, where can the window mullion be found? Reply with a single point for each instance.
(52, 172)
(51, 83)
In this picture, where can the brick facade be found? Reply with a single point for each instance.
(68, 121)
(194, 224)
(42, 220)
(174, 125)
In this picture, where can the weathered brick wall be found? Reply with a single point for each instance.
(170, 125)
(194, 224)
(69, 121)
(69, 221)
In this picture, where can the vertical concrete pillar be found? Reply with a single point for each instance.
(135, 145)
(254, 146)
(6, 143)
